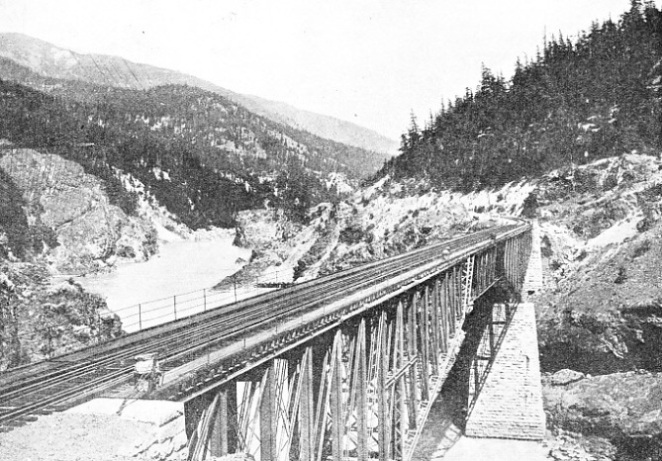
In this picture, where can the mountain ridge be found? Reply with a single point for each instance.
(208, 146)
(52, 61)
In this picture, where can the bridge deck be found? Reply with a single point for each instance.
(241, 332)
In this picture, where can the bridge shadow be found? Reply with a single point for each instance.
(447, 419)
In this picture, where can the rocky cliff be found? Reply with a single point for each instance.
(59, 196)
(55, 219)
(600, 233)
(619, 414)
(600, 316)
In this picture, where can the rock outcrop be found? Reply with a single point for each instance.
(623, 408)
(381, 221)
(57, 218)
(565, 377)
(42, 318)
(60, 196)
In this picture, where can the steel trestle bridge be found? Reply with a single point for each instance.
(343, 366)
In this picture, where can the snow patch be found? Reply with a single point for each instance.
(617, 233)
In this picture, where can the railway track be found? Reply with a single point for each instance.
(63, 381)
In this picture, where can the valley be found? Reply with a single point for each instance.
(132, 195)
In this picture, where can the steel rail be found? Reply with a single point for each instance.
(188, 351)
(97, 350)
(351, 306)
(290, 300)
(127, 353)
(59, 372)
(246, 315)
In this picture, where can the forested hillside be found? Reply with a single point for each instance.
(47, 61)
(573, 103)
(202, 156)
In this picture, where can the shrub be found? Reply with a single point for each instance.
(530, 206)
(610, 182)
(351, 234)
(622, 275)
(641, 249)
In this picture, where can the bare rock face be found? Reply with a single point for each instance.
(625, 408)
(601, 225)
(61, 196)
(42, 318)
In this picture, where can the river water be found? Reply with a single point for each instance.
(170, 284)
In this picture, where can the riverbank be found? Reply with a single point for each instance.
(181, 267)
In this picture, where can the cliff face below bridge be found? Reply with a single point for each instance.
(600, 314)
(619, 414)
(601, 245)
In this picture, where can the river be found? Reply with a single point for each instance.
(170, 284)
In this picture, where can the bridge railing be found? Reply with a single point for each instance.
(155, 312)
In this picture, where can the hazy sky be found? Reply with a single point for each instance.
(370, 62)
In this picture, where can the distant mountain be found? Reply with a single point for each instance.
(321, 125)
(202, 156)
(51, 61)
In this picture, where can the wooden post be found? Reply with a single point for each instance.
(234, 284)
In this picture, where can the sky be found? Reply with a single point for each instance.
(366, 61)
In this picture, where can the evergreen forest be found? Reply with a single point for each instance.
(576, 101)
(202, 156)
